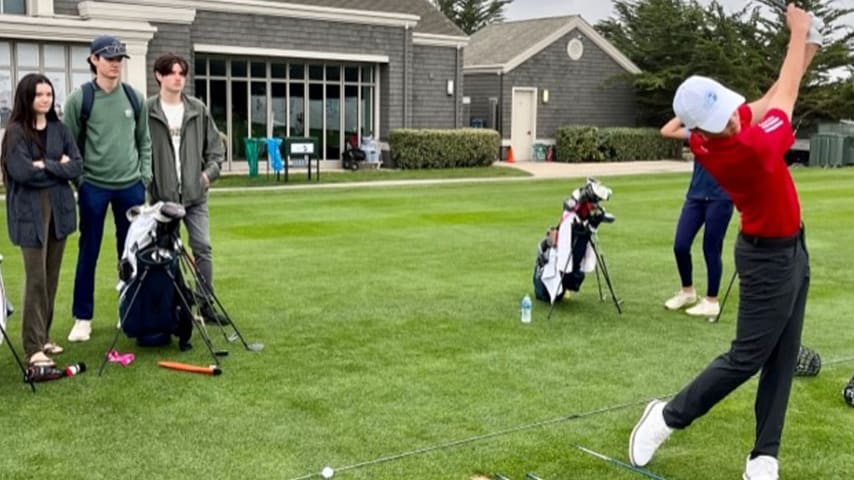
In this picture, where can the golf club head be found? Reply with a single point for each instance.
(255, 347)
(233, 337)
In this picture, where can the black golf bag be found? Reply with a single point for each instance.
(150, 306)
(572, 279)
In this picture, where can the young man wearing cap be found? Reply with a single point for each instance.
(116, 167)
(742, 147)
(186, 154)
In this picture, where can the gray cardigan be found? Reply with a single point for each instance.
(24, 184)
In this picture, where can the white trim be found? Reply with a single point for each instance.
(546, 141)
(575, 23)
(276, 52)
(496, 69)
(71, 30)
(291, 10)
(434, 40)
(124, 11)
(505, 142)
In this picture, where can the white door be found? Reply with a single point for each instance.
(523, 127)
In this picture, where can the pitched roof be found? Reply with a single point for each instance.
(501, 47)
(432, 20)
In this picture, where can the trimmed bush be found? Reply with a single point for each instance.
(590, 144)
(425, 148)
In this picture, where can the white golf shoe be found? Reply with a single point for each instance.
(650, 432)
(81, 331)
(705, 308)
(680, 300)
(763, 467)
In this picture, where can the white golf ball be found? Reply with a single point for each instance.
(327, 472)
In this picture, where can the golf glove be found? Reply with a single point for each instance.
(814, 37)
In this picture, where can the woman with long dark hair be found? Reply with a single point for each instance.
(39, 159)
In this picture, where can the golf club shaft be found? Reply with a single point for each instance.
(614, 461)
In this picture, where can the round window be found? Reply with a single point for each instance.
(575, 49)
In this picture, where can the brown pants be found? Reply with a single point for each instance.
(41, 272)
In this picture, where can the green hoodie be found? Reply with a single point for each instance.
(118, 147)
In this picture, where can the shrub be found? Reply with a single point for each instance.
(591, 144)
(425, 148)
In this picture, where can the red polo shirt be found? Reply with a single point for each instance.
(750, 167)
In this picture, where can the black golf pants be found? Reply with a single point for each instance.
(774, 279)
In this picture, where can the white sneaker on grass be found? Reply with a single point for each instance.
(650, 432)
(681, 299)
(81, 331)
(763, 467)
(705, 308)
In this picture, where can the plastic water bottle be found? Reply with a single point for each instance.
(526, 309)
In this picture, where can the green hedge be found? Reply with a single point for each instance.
(578, 143)
(423, 148)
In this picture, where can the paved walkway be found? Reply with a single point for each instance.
(538, 170)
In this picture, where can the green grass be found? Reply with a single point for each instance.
(391, 324)
(300, 177)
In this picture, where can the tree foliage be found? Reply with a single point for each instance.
(472, 15)
(672, 39)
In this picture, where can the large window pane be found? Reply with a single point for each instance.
(278, 97)
(333, 122)
(367, 111)
(28, 55)
(57, 78)
(333, 73)
(351, 74)
(5, 96)
(297, 71)
(297, 110)
(278, 70)
(79, 54)
(5, 56)
(259, 109)
(201, 65)
(315, 72)
(217, 67)
(351, 114)
(79, 78)
(368, 74)
(238, 68)
(315, 112)
(239, 117)
(54, 56)
(259, 70)
(219, 105)
(202, 90)
(18, 7)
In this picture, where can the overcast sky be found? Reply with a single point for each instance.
(592, 10)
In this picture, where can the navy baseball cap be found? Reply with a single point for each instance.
(108, 46)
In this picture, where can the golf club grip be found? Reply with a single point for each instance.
(186, 367)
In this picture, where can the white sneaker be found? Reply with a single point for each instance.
(81, 331)
(705, 308)
(649, 434)
(763, 467)
(681, 299)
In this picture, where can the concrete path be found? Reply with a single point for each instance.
(538, 170)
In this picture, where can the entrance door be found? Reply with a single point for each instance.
(523, 129)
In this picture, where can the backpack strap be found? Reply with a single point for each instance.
(88, 90)
(133, 99)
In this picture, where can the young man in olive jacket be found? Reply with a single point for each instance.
(186, 153)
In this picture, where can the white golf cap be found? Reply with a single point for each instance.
(701, 102)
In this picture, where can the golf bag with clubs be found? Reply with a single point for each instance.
(568, 252)
(6, 310)
(161, 293)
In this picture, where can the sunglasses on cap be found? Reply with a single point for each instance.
(112, 50)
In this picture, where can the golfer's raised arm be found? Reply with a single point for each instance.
(674, 129)
(789, 82)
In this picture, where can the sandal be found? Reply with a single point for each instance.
(51, 348)
(39, 359)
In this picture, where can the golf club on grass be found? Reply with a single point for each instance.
(614, 461)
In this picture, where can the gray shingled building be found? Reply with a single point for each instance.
(527, 78)
(325, 68)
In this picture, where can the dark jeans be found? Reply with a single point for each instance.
(715, 214)
(774, 281)
(93, 202)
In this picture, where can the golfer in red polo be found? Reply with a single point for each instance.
(742, 147)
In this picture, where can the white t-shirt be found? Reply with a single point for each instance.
(174, 116)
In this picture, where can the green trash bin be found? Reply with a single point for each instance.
(827, 150)
(539, 152)
(253, 151)
(848, 151)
